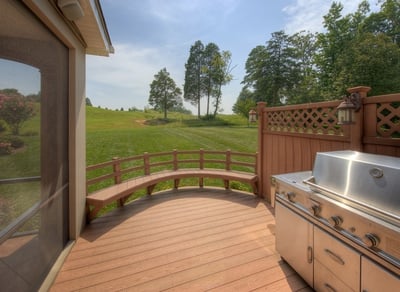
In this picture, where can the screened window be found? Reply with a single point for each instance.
(33, 148)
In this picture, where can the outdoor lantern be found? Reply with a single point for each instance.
(252, 116)
(347, 108)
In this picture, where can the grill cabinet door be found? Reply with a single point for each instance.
(340, 259)
(376, 278)
(294, 241)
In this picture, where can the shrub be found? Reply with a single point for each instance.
(5, 148)
(15, 111)
(16, 142)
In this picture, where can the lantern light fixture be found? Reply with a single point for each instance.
(252, 116)
(346, 109)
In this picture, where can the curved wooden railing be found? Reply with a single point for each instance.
(118, 170)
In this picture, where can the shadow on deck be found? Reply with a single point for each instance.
(182, 240)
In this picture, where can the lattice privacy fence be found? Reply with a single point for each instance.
(388, 120)
(319, 118)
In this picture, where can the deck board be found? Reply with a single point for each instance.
(184, 240)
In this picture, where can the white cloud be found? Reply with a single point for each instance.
(175, 11)
(305, 15)
(124, 78)
(308, 15)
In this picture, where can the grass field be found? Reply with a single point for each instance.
(124, 134)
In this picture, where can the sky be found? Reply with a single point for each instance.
(149, 35)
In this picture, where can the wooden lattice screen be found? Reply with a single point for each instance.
(317, 118)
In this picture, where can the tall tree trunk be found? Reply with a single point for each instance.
(208, 104)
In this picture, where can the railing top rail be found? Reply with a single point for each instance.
(382, 98)
(170, 153)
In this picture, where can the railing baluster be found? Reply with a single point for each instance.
(175, 159)
(146, 162)
(228, 160)
(117, 170)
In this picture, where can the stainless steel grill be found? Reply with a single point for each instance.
(366, 181)
(351, 197)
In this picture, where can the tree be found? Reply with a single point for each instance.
(192, 91)
(15, 111)
(164, 94)
(88, 102)
(375, 62)
(244, 103)
(255, 78)
(272, 71)
(304, 87)
(222, 76)
(361, 48)
(208, 70)
(390, 9)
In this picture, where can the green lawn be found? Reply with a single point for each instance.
(123, 134)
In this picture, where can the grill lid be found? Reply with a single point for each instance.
(366, 179)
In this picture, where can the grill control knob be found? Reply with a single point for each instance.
(371, 240)
(315, 209)
(335, 221)
(291, 196)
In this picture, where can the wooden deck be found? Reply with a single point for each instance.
(184, 240)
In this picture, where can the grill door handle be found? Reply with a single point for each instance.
(329, 287)
(334, 257)
(309, 255)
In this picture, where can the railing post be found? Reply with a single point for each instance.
(117, 177)
(117, 170)
(175, 159)
(146, 163)
(356, 129)
(262, 189)
(228, 161)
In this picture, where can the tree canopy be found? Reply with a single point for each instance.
(207, 70)
(361, 48)
(164, 94)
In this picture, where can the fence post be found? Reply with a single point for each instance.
(356, 129)
(117, 170)
(262, 189)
